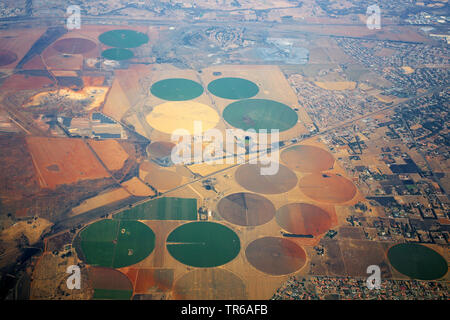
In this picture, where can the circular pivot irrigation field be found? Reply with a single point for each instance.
(117, 54)
(417, 261)
(123, 38)
(328, 188)
(246, 209)
(233, 88)
(177, 89)
(74, 45)
(170, 116)
(160, 149)
(260, 114)
(114, 243)
(209, 284)
(307, 159)
(249, 176)
(203, 244)
(275, 256)
(163, 179)
(7, 57)
(303, 218)
(109, 284)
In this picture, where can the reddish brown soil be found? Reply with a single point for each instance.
(246, 209)
(303, 218)
(249, 176)
(17, 82)
(35, 63)
(148, 280)
(108, 279)
(19, 41)
(275, 256)
(93, 81)
(147, 166)
(63, 161)
(329, 188)
(7, 57)
(55, 60)
(307, 159)
(110, 152)
(74, 45)
(17, 174)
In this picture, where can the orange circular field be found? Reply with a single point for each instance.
(275, 256)
(303, 218)
(307, 159)
(246, 209)
(329, 187)
(249, 176)
(209, 284)
(163, 179)
(160, 149)
(7, 57)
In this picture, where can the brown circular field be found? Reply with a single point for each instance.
(7, 57)
(108, 279)
(329, 188)
(303, 218)
(74, 45)
(246, 209)
(275, 256)
(209, 284)
(249, 176)
(160, 149)
(163, 179)
(307, 159)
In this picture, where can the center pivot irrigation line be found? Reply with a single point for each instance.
(189, 243)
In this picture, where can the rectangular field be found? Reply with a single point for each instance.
(63, 161)
(166, 208)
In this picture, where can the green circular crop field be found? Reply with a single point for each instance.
(117, 54)
(260, 114)
(123, 38)
(417, 261)
(116, 244)
(177, 89)
(203, 244)
(233, 88)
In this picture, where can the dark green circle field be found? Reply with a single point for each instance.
(123, 38)
(233, 88)
(260, 114)
(417, 261)
(117, 54)
(177, 89)
(115, 244)
(203, 244)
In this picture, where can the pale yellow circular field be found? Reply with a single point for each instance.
(170, 116)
